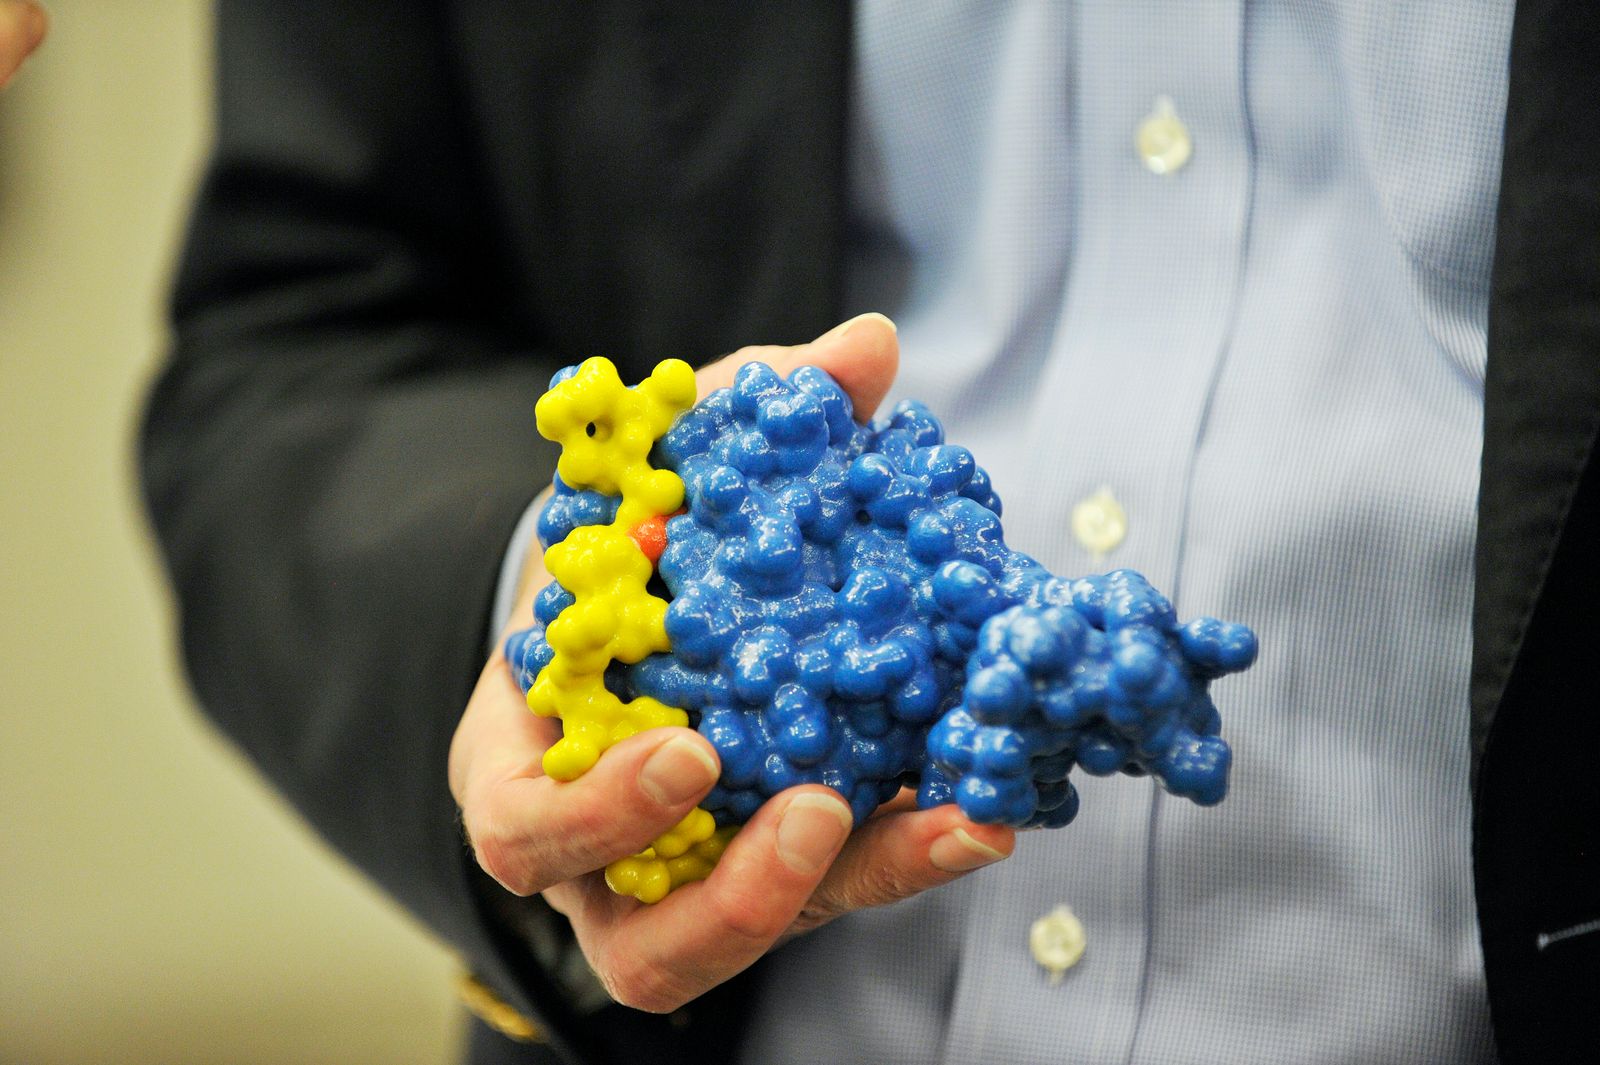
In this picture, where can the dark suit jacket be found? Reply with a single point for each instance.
(416, 211)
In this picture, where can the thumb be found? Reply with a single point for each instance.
(861, 354)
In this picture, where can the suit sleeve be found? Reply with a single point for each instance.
(341, 443)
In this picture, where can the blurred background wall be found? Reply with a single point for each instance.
(156, 903)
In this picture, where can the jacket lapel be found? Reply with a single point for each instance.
(1542, 392)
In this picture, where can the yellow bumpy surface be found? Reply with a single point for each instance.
(606, 431)
(613, 617)
(671, 862)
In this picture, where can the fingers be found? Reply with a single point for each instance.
(862, 354)
(793, 867)
(23, 26)
(658, 957)
(531, 832)
(898, 855)
(528, 831)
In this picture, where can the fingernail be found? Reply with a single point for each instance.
(678, 771)
(957, 852)
(812, 827)
(842, 328)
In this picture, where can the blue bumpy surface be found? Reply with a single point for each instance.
(845, 611)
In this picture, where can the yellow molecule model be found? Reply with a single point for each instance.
(606, 431)
(651, 875)
(613, 617)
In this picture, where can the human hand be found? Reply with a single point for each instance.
(793, 867)
(23, 25)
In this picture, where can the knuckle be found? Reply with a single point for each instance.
(638, 985)
(498, 830)
(813, 916)
(892, 885)
(878, 886)
(590, 835)
(501, 859)
(744, 916)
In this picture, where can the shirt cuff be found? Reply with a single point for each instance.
(505, 595)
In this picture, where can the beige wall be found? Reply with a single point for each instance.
(156, 903)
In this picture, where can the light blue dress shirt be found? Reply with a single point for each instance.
(1272, 356)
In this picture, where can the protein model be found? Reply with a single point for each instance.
(834, 603)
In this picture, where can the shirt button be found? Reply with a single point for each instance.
(1099, 522)
(1163, 141)
(1057, 941)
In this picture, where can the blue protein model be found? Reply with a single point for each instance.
(845, 611)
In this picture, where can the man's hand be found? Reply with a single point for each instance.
(793, 867)
(23, 25)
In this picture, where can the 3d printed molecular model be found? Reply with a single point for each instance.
(833, 603)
